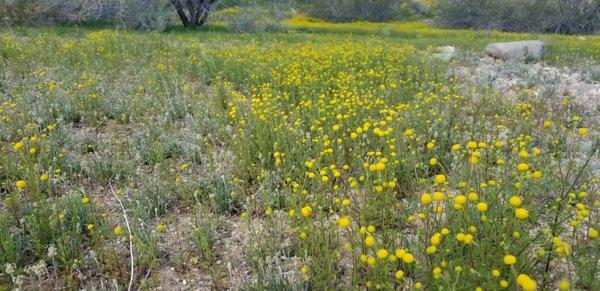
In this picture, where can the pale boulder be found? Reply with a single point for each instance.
(516, 50)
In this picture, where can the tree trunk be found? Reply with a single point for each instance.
(203, 19)
(184, 19)
(197, 12)
(205, 8)
(196, 16)
(191, 12)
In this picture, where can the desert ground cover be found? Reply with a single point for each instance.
(328, 156)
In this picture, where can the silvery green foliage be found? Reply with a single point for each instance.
(252, 20)
(134, 14)
(251, 16)
(28, 12)
(91, 10)
(52, 11)
(347, 10)
(556, 16)
(149, 15)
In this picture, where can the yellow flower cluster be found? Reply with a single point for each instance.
(393, 174)
(366, 129)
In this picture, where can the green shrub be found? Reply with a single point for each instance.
(556, 16)
(38, 12)
(220, 193)
(253, 20)
(28, 12)
(132, 14)
(154, 146)
(58, 233)
(347, 10)
(153, 199)
(417, 8)
(253, 16)
(145, 14)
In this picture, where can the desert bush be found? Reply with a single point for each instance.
(347, 10)
(250, 20)
(145, 14)
(30, 12)
(222, 195)
(417, 9)
(233, 3)
(47, 231)
(253, 15)
(557, 16)
(39, 12)
(154, 146)
(133, 14)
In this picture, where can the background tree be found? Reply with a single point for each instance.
(197, 11)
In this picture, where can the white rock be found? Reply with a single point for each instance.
(516, 50)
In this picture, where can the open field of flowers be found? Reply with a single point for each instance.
(283, 161)
(562, 49)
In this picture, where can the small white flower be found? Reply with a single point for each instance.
(52, 251)
(9, 268)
